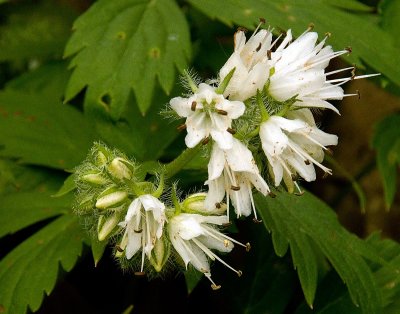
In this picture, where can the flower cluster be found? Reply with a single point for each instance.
(278, 82)
(258, 130)
(140, 219)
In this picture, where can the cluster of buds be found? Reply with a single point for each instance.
(145, 226)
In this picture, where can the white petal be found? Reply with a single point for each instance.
(235, 109)
(216, 193)
(134, 243)
(216, 163)
(224, 139)
(187, 226)
(258, 182)
(240, 157)
(133, 209)
(181, 106)
(197, 129)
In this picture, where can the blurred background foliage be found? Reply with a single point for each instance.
(70, 75)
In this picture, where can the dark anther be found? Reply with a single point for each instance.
(139, 273)
(248, 247)
(232, 131)
(269, 54)
(255, 220)
(328, 34)
(311, 26)
(193, 106)
(262, 20)
(138, 231)
(325, 175)
(181, 127)
(205, 140)
(358, 93)
(307, 162)
(225, 225)
(329, 151)
(299, 193)
(259, 47)
(349, 49)
(119, 249)
(242, 29)
(353, 72)
(235, 188)
(222, 112)
(218, 205)
(273, 195)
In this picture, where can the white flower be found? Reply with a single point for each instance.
(143, 225)
(208, 113)
(194, 236)
(299, 69)
(294, 145)
(234, 172)
(250, 63)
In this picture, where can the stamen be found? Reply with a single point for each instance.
(205, 140)
(358, 93)
(218, 205)
(119, 249)
(138, 231)
(139, 273)
(213, 256)
(193, 106)
(259, 47)
(298, 188)
(213, 285)
(226, 243)
(271, 195)
(269, 54)
(248, 247)
(181, 127)
(338, 71)
(232, 131)
(222, 112)
(255, 220)
(210, 231)
(235, 188)
(349, 49)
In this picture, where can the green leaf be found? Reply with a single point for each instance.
(386, 142)
(42, 133)
(21, 209)
(348, 29)
(390, 21)
(310, 227)
(67, 187)
(126, 44)
(98, 248)
(143, 137)
(35, 31)
(192, 279)
(49, 81)
(31, 269)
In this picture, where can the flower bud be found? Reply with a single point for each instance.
(106, 225)
(160, 254)
(111, 197)
(94, 178)
(120, 168)
(195, 204)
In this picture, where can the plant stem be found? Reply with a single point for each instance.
(182, 160)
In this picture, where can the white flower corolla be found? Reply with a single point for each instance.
(143, 225)
(293, 145)
(194, 237)
(249, 60)
(208, 113)
(233, 173)
(298, 69)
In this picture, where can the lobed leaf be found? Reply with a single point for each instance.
(21, 209)
(31, 269)
(126, 44)
(304, 222)
(386, 141)
(42, 133)
(347, 28)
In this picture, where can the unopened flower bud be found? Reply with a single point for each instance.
(120, 168)
(195, 204)
(160, 254)
(94, 178)
(106, 225)
(111, 197)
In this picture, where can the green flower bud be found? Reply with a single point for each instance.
(106, 226)
(120, 168)
(86, 203)
(111, 197)
(160, 254)
(195, 204)
(94, 178)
